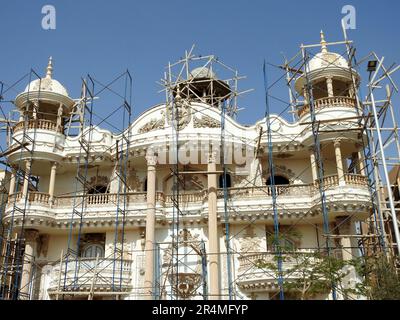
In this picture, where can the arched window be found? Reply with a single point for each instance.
(228, 181)
(279, 180)
(93, 250)
(98, 189)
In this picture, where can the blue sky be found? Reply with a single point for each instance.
(103, 38)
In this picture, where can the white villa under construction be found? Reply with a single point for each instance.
(184, 202)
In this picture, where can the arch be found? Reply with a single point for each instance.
(92, 250)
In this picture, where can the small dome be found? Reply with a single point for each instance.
(45, 89)
(47, 84)
(324, 60)
(202, 72)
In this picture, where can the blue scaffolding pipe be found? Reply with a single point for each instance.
(317, 152)
(121, 175)
(272, 186)
(226, 216)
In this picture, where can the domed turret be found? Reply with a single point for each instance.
(46, 90)
(45, 103)
(331, 78)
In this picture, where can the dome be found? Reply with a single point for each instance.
(47, 84)
(45, 89)
(324, 60)
(202, 72)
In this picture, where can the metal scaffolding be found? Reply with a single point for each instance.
(190, 80)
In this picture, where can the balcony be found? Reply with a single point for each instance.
(332, 181)
(108, 275)
(38, 124)
(259, 271)
(297, 201)
(328, 102)
(33, 198)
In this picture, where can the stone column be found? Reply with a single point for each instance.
(115, 179)
(305, 95)
(31, 236)
(314, 171)
(28, 165)
(213, 242)
(52, 182)
(11, 189)
(59, 123)
(339, 163)
(150, 226)
(346, 227)
(329, 86)
(361, 161)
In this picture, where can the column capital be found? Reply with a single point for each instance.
(311, 149)
(212, 157)
(31, 235)
(151, 159)
(337, 142)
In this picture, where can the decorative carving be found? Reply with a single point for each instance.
(134, 182)
(188, 278)
(153, 124)
(151, 159)
(206, 122)
(181, 115)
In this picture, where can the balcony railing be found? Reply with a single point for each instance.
(33, 197)
(236, 193)
(328, 102)
(267, 191)
(107, 275)
(38, 124)
(99, 199)
(332, 181)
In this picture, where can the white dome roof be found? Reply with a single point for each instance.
(46, 84)
(202, 72)
(324, 60)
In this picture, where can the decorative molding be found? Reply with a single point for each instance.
(153, 124)
(187, 282)
(206, 122)
(181, 115)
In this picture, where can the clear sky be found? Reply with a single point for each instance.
(104, 38)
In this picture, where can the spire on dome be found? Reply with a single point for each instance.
(49, 69)
(324, 48)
